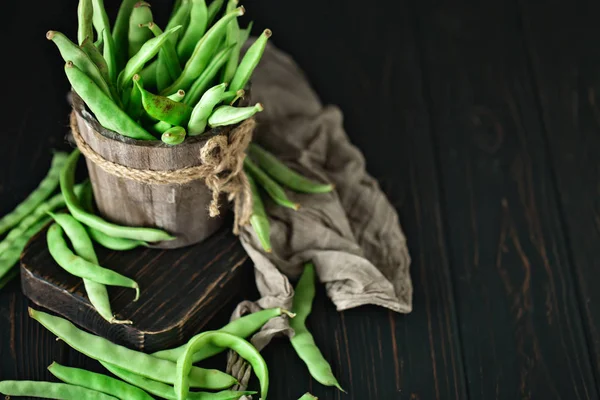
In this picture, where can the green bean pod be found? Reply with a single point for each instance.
(163, 76)
(196, 29)
(242, 327)
(204, 51)
(220, 339)
(228, 115)
(181, 16)
(50, 390)
(165, 109)
(120, 31)
(78, 266)
(66, 186)
(250, 61)
(232, 39)
(165, 391)
(102, 25)
(145, 54)
(137, 34)
(134, 105)
(37, 197)
(105, 110)
(85, 28)
(259, 220)
(161, 127)
(148, 74)
(213, 9)
(283, 174)
(136, 362)
(308, 396)
(71, 52)
(204, 108)
(302, 341)
(238, 95)
(98, 382)
(98, 59)
(167, 54)
(273, 189)
(177, 96)
(174, 136)
(206, 78)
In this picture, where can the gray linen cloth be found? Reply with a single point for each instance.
(352, 235)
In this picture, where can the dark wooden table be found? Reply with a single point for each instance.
(482, 123)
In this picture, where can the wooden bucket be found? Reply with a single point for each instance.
(180, 209)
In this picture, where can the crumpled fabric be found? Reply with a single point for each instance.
(353, 235)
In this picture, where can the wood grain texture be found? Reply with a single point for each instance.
(565, 63)
(519, 318)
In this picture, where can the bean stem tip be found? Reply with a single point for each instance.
(50, 35)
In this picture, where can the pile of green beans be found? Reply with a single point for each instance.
(129, 76)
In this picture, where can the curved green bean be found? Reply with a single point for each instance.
(167, 54)
(242, 327)
(105, 110)
(80, 267)
(102, 25)
(49, 390)
(181, 16)
(94, 221)
(136, 362)
(232, 39)
(165, 391)
(85, 28)
(70, 52)
(302, 341)
(37, 197)
(98, 382)
(213, 9)
(283, 174)
(173, 136)
(145, 54)
(196, 29)
(120, 31)
(98, 59)
(204, 51)
(225, 340)
(259, 220)
(134, 105)
(273, 189)
(308, 396)
(177, 96)
(208, 75)
(137, 35)
(161, 127)
(165, 109)
(250, 61)
(228, 115)
(204, 108)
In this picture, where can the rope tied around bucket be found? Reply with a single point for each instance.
(221, 167)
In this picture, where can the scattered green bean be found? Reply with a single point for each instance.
(166, 391)
(136, 362)
(204, 108)
(225, 340)
(145, 54)
(250, 61)
(232, 39)
(49, 390)
(37, 197)
(228, 115)
(85, 14)
(102, 25)
(120, 31)
(80, 267)
(134, 105)
(94, 221)
(167, 54)
(165, 109)
(105, 110)
(181, 16)
(242, 327)
(177, 96)
(98, 382)
(195, 31)
(204, 51)
(174, 136)
(208, 75)
(71, 52)
(302, 341)
(137, 35)
(213, 9)
(283, 174)
(308, 396)
(259, 220)
(273, 189)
